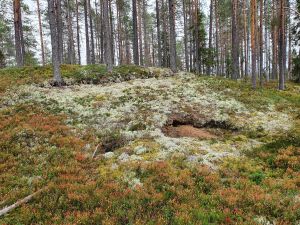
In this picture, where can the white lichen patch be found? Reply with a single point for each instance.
(140, 108)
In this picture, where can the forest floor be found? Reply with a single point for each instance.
(143, 146)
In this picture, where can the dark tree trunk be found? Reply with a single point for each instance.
(107, 37)
(210, 35)
(135, 44)
(186, 54)
(159, 55)
(54, 31)
(87, 39)
(78, 32)
(234, 45)
(281, 44)
(253, 41)
(19, 42)
(93, 59)
(173, 65)
(71, 48)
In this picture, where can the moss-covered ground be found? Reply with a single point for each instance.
(97, 147)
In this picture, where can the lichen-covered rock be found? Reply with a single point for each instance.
(140, 108)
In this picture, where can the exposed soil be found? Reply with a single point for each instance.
(188, 131)
(196, 126)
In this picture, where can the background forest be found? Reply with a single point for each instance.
(227, 38)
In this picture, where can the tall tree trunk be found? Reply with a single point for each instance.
(135, 44)
(266, 10)
(111, 24)
(281, 44)
(234, 48)
(217, 39)
(173, 65)
(210, 36)
(87, 39)
(185, 38)
(140, 32)
(261, 44)
(54, 30)
(60, 33)
(78, 32)
(146, 45)
(107, 37)
(90, 11)
(71, 48)
(197, 51)
(19, 42)
(159, 55)
(41, 32)
(253, 41)
(245, 39)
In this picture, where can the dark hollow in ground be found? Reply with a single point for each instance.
(196, 126)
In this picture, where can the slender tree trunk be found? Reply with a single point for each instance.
(71, 48)
(41, 32)
(235, 49)
(107, 37)
(111, 24)
(266, 10)
(281, 44)
(197, 51)
(210, 35)
(186, 54)
(245, 39)
(20, 51)
(217, 39)
(90, 11)
(172, 36)
(135, 34)
(289, 40)
(261, 44)
(159, 55)
(146, 45)
(140, 32)
(253, 41)
(78, 32)
(60, 33)
(54, 30)
(87, 39)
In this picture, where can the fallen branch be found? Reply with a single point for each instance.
(20, 202)
(95, 152)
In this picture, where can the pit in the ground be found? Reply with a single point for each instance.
(195, 126)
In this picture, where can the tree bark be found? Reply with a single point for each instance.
(234, 45)
(281, 45)
(107, 37)
(90, 11)
(78, 32)
(173, 65)
(159, 55)
(135, 44)
(261, 44)
(253, 41)
(146, 44)
(87, 39)
(71, 48)
(19, 41)
(210, 35)
(41, 32)
(53, 11)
